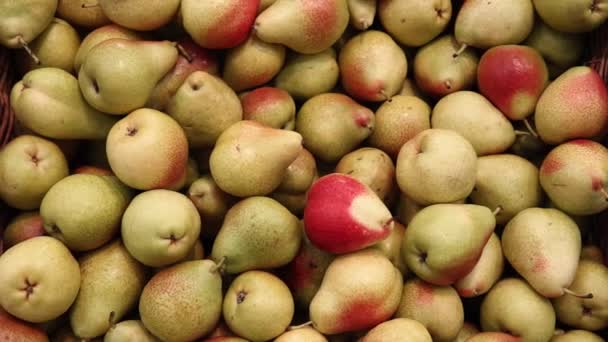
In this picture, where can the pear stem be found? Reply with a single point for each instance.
(219, 265)
(28, 50)
(529, 127)
(578, 295)
(460, 50)
(604, 192)
(518, 132)
(303, 325)
(497, 210)
(184, 53)
(90, 5)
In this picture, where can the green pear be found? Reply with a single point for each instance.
(586, 313)
(182, 302)
(160, 227)
(415, 23)
(293, 202)
(258, 306)
(196, 104)
(24, 226)
(438, 308)
(41, 279)
(48, 101)
(576, 16)
(257, 233)
(129, 331)
(22, 21)
(398, 330)
(250, 159)
(99, 35)
(443, 242)
(77, 13)
(140, 15)
(29, 167)
(119, 75)
(362, 13)
(391, 247)
(577, 336)
(514, 307)
(111, 282)
(486, 273)
(468, 330)
(212, 203)
(84, 210)
(304, 76)
(300, 174)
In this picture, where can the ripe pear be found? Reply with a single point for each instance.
(305, 334)
(23, 21)
(147, 149)
(415, 23)
(251, 159)
(140, 15)
(577, 336)
(439, 70)
(468, 330)
(127, 331)
(258, 306)
(99, 35)
(252, 63)
(271, 106)
(29, 167)
(486, 273)
(362, 66)
(300, 174)
(306, 75)
(398, 330)
(362, 13)
(573, 16)
(391, 247)
(418, 175)
(196, 104)
(438, 308)
(509, 182)
(407, 208)
(359, 291)
(476, 119)
(512, 306)
(332, 125)
(211, 202)
(563, 113)
(41, 279)
(397, 121)
(303, 26)
(14, 329)
(586, 313)
(182, 302)
(257, 233)
(293, 202)
(484, 24)
(118, 75)
(79, 14)
(48, 101)
(218, 24)
(494, 337)
(574, 175)
(444, 242)
(111, 282)
(410, 88)
(24, 226)
(84, 211)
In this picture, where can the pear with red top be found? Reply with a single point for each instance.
(343, 215)
(14, 329)
(271, 106)
(486, 273)
(23, 227)
(513, 78)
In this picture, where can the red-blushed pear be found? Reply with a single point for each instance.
(271, 106)
(359, 291)
(486, 273)
(219, 24)
(494, 337)
(513, 78)
(13, 329)
(398, 330)
(362, 13)
(575, 175)
(574, 105)
(92, 170)
(343, 215)
(22, 227)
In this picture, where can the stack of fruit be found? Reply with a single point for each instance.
(303, 171)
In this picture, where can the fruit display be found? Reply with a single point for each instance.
(303, 171)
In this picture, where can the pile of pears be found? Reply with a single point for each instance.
(304, 171)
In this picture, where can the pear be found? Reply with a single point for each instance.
(127, 331)
(252, 63)
(303, 26)
(398, 330)
(573, 175)
(416, 167)
(111, 282)
(250, 159)
(41, 279)
(362, 13)
(476, 119)
(29, 167)
(306, 75)
(140, 15)
(55, 93)
(258, 306)
(99, 35)
(264, 4)
(494, 337)
(410, 88)
(305, 334)
(211, 202)
(484, 24)
(486, 273)
(14, 329)
(588, 252)
(271, 106)
(512, 306)
(300, 174)
(196, 104)
(391, 247)
(468, 331)
(218, 24)
(84, 211)
(257, 233)
(509, 182)
(443, 242)
(415, 23)
(79, 14)
(573, 16)
(439, 70)
(407, 208)
(293, 202)
(585, 313)
(148, 150)
(577, 336)
(182, 302)
(359, 291)
(24, 226)
(23, 21)
(332, 125)
(119, 75)
(438, 308)
(560, 116)
(362, 70)
(93, 170)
